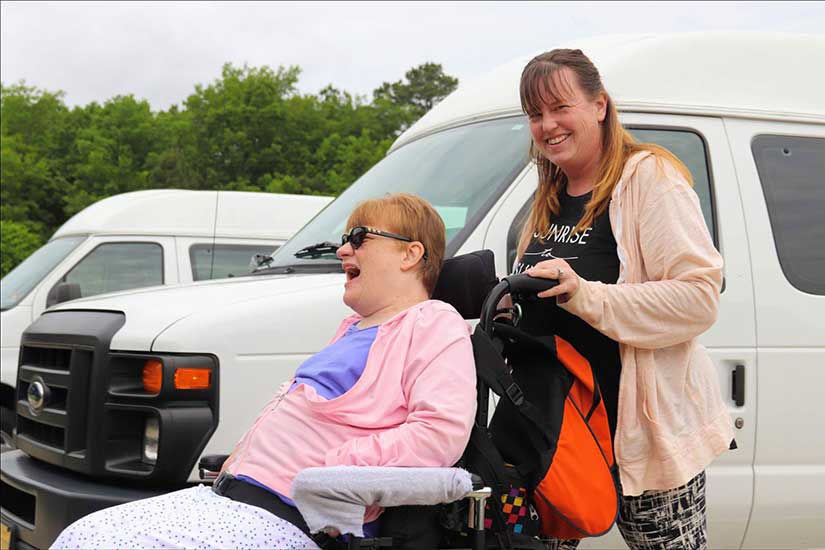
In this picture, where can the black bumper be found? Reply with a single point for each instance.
(39, 500)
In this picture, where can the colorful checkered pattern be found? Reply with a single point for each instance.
(514, 505)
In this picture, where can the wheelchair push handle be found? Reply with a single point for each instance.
(521, 287)
(527, 287)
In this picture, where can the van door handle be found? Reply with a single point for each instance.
(738, 385)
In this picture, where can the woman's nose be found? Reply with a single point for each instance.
(344, 250)
(548, 122)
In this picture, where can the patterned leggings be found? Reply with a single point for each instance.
(194, 518)
(661, 520)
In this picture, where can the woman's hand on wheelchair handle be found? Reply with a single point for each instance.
(561, 271)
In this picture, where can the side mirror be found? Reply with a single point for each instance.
(63, 292)
(261, 260)
(256, 261)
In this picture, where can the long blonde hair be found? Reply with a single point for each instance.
(536, 89)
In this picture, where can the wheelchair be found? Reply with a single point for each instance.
(467, 282)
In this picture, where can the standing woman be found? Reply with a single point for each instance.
(619, 225)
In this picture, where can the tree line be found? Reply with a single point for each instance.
(249, 130)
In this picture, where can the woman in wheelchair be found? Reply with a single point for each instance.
(396, 387)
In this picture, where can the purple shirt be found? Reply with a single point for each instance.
(336, 368)
(332, 372)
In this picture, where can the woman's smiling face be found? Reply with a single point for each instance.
(374, 274)
(567, 128)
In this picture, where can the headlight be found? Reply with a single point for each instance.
(151, 436)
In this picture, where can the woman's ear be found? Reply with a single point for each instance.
(412, 256)
(601, 106)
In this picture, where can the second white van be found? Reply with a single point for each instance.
(141, 239)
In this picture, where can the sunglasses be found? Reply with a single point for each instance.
(358, 234)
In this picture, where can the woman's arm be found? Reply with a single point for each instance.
(681, 298)
(440, 386)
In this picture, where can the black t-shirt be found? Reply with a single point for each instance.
(592, 254)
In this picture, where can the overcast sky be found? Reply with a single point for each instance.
(159, 50)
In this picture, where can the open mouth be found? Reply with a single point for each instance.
(556, 140)
(352, 272)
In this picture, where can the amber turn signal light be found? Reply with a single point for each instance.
(152, 375)
(192, 379)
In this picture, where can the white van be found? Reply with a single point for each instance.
(140, 239)
(745, 112)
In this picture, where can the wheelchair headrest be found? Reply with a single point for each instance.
(465, 281)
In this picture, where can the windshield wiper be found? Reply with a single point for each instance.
(308, 267)
(318, 250)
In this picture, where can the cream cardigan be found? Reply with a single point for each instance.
(672, 421)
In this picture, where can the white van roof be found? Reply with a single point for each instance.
(192, 213)
(737, 74)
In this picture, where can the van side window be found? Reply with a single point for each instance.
(688, 146)
(792, 173)
(117, 266)
(224, 260)
(514, 233)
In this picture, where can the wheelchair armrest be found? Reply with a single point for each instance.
(210, 465)
(337, 496)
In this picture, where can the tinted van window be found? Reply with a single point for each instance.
(792, 173)
(23, 278)
(118, 266)
(461, 171)
(224, 260)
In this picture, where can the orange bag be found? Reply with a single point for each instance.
(551, 423)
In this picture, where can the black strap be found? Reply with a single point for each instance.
(597, 396)
(492, 465)
(238, 490)
(539, 436)
(494, 372)
(491, 469)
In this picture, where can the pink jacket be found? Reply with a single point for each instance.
(413, 405)
(672, 421)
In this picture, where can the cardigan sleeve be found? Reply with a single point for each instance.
(439, 385)
(679, 300)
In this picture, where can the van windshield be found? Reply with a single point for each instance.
(22, 279)
(461, 172)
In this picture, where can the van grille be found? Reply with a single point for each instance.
(66, 352)
(47, 358)
(18, 503)
(55, 368)
(51, 436)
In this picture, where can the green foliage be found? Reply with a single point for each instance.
(424, 86)
(237, 124)
(32, 123)
(17, 241)
(110, 152)
(248, 130)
